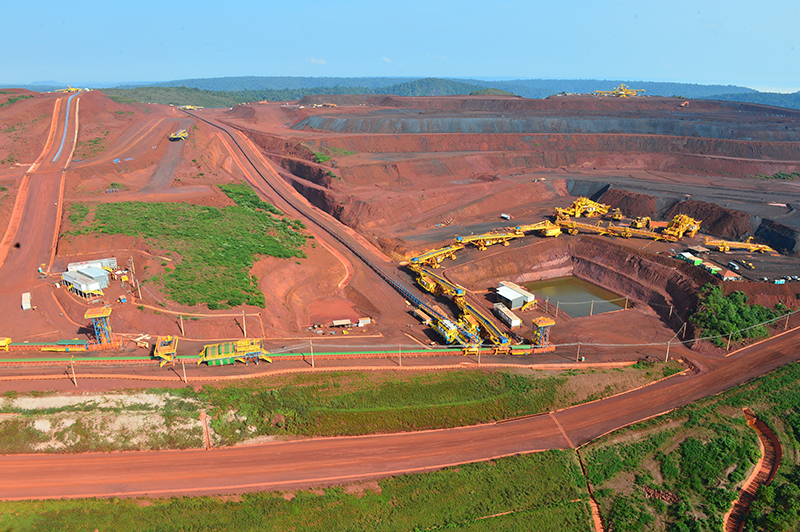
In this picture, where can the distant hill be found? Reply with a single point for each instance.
(258, 83)
(229, 91)
(430, 87)
(528, 88)
(209, 98)
(791, 101)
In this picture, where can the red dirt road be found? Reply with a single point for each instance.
(323, 461)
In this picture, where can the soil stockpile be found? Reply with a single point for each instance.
(631, 204)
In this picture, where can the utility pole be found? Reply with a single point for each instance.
(666, 359)
(578, 356)
(626, 302)
(184, 371)
(728, 347)
(72, 367)
(182, 331)
(558, 304)
(591, 309)
(399, 354)
(311, 345)
(244, 324)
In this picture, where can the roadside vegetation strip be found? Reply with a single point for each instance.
(313, 403)
(542, 492)
(681, 471)
(213, 266)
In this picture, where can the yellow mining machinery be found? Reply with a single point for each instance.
(573, 228)
(628, 232)
(583, 206)
(244, 351)
(191, 107)
(436, 284)
(616, 215)
(472, 321)
(166, 348)
(641, 223)
(545, 228)
(486, 327)
(69, 89)
(725, 246)
(682, 225)
(179, 135)
(434, 257)
(623, 91)
(487, 239)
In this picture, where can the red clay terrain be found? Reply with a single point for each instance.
(377, 180)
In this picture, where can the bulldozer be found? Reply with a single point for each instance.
(641, 223)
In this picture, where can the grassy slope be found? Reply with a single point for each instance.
(541, 492)
(216, 245)
(701, 453)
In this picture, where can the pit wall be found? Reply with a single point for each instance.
(421, 124)
(655, 152)
(653, 280)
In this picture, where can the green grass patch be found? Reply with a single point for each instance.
(15, 99)
(89, 148)
(784, 176)
(78, 213)
(217, 246)
(539, 492)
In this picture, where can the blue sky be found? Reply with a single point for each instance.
(749, 43)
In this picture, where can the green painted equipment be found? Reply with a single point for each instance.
(230, 352)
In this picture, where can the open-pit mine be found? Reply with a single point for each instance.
(385, 226)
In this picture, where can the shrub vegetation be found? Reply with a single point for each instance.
(720, 316)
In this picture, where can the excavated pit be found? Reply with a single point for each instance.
(401, 170)
(657, 281)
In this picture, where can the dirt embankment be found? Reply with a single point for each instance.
(654, 280)
(766, 294)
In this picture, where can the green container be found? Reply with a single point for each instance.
(220, 361)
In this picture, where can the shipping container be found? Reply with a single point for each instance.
(26, 301)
